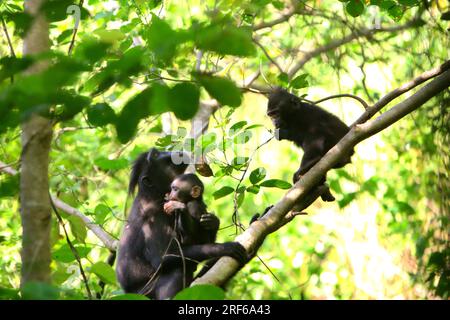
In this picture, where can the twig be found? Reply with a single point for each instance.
(235, 212)
(272, 60)
(339, 42)
(5, 29)
(344, 95)
(72, 248)
(283, 18)
(399, 91)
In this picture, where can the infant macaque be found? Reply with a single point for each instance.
(194, 224)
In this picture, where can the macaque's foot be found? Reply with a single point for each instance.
(327, 196)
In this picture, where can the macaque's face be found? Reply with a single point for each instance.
(183, 191)
(180, 191)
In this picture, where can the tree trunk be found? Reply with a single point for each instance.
(37, 132)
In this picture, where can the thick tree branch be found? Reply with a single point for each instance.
(104, 237)
(254, 236)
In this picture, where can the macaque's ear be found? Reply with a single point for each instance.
(196, 192)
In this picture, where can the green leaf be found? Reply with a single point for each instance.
(278, 4)
(64, 253)
(166, 141)
(404, 207)
(162, 40)
(101, 114)
(409, 3)
(335, 186)
(104, 271)
(355, 8)
(300, 82)
(39, 291)
(257, 175)
(346, 199)
(9, 186)
(240, 196)
(152, 4)
(225, 39)
(276, 183)
(56, 10)
(78, 228)
(70, 104)
(253, 126)
(12, 65)
(91, 50)
(201, 292)
(9, 294)
(135, 109)
(184, 99)
(239, 161)
(65, 35)
(221, 89)
(395, 12)
(110, 36)
(222, 192)
(129, 296)
(386, 4)
(101, 212)
(370, 186)
(254, 189)
(283, 78)
(236, 127)
(207, 141)
(243, 137)
(22, 22)
(114, 164)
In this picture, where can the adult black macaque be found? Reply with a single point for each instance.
(150, 260)
(194, 224)
(313, 129)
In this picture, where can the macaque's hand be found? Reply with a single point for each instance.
(171, 206)
(209, 221)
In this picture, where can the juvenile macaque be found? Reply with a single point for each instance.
(311, 128)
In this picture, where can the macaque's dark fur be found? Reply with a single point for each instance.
(311, 128)
(149, 259)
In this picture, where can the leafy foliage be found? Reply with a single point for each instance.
(137, 74)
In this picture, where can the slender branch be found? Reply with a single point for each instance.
(283, 18)
(363, 33)
(104, 237)
(5, 30)
(74, 251)
(272, 60)
(399, 91)
(254, 236)
(347, 95)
